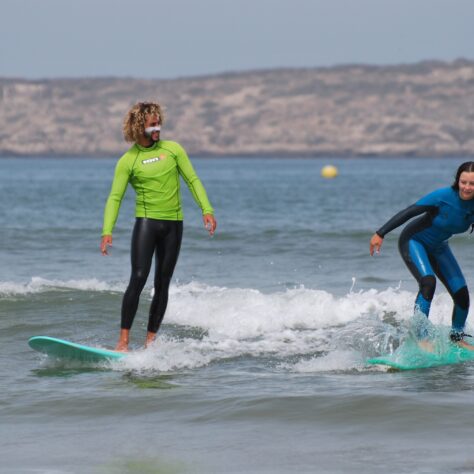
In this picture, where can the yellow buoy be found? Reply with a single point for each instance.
(329, 171)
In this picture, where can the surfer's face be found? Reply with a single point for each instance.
(466, 185)
(152, 127)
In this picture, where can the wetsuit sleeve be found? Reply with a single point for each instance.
(119, 186)
(403, 216)
(192, 180)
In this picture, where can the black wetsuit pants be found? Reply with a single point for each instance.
(162, 238)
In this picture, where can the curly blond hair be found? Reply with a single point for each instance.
(134, 122)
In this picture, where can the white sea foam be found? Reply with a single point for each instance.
(42, 285)
(249, 313)
(314, 329)
(300, 329)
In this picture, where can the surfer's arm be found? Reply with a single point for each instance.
(117, 191)
(105, 242)
(403, 216)
(186, 170)
(396, 221)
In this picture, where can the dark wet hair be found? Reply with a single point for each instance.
(467, 166)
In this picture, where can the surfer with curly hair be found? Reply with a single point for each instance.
(423, 244)
(153, 167)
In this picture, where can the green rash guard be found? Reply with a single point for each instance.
(154, 175)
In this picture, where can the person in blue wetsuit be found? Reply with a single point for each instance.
(423, 244)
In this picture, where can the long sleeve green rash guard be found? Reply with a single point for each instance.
(154, 175)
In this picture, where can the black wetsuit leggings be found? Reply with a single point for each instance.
(150, 236)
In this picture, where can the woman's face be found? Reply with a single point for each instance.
(152, 125)
(466, 185)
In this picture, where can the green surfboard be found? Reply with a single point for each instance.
(61, 349)
(410, 356)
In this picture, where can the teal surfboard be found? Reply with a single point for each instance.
(410, 356)
(70, 350)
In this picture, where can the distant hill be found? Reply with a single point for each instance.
(419, 109)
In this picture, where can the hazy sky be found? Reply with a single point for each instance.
(163, 39)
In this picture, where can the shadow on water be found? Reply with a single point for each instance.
(65, 372)
(160, 382)
(137, 380)
(141, 466)
(445, 379)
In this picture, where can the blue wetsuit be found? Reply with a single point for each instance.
(424, 248)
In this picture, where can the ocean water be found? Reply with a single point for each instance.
(259, 366)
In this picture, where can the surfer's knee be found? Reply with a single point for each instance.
(428, 287)
(461, 298)
(162, 283)
(139, 278)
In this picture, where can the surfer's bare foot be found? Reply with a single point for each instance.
(426, 346)
(122, 344)
(465, 345)
(150, 338)
(121, 348)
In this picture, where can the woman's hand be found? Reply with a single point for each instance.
(104, 243)
(375, 243)
(209, 223)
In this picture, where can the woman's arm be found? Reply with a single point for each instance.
(403, 216)
(396, 221)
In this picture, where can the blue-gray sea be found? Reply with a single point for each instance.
(259, 366)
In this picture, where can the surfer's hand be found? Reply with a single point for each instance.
(375, 243)
(105, 242)
(209, 223)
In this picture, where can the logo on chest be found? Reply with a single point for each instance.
(153, 160)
